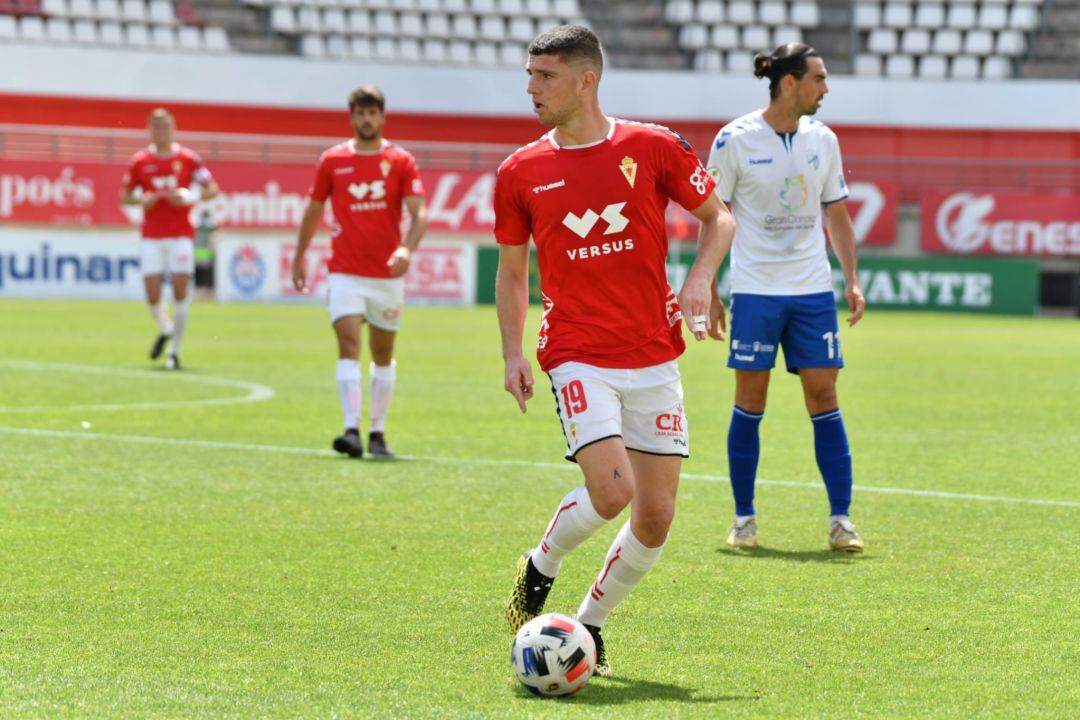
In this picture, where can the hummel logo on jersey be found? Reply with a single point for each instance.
(612, 215)
(344, 170)
(629, 169)
(375, 190)
(550, 186)
(761, 161)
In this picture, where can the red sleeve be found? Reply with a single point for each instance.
(685, 179)
(512, 223)
(411, 184)
(131, 178)
(320, 189)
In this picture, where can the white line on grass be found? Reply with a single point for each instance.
(284, 449)
(255, 391)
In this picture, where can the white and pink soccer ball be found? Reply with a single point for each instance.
(553, 655)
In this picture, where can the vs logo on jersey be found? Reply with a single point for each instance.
(629, 169)
(612, 215)
(375, 190)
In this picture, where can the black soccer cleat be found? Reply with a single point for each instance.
(159, 346)
(172, 362)
(349, 444)
(531, 588)
(603, 667)
(377, 446)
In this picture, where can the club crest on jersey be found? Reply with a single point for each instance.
(384, 166)
(793, 194)
(629, 169)
(177, 166)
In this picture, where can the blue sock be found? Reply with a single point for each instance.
(743, 449)
(833, 458)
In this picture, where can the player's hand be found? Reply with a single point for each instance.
(399, 262)
(717, 321)
(694, 302)
(299, 275)
(856, 302)
(148, 200)
(519, 380)
(175, 197)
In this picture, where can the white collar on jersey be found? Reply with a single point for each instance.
(173, 149)
(610, 134)
(382, 146)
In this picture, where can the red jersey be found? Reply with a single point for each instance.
(596, 214)
(155, 173)
(366, 190)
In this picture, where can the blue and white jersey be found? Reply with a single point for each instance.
(777, 184)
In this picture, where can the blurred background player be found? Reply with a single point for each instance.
(367, 180)
(592, 194)
(780, 168)
(166, 180)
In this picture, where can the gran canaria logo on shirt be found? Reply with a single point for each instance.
(793, 193)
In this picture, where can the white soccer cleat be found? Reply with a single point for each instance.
(744, 535)
(842, 536)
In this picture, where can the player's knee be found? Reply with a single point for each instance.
(751, 399)
(610, 499)
(820, 399)
(653, 524)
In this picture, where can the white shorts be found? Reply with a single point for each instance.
(378, 300)
(168, 256)
(644, 407)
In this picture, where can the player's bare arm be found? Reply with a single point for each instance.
(146, 200)
(402, 256)
(512, 303)
(716, 229)
(842, 238)
(308, 225)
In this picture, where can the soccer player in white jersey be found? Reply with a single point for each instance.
(780, 170)
(591, 194)
(368, 180)
(166, 179)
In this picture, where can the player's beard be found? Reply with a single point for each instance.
(368, 133)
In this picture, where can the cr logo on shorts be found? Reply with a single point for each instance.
(670, 422)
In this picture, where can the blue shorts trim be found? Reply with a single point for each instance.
(805, 326)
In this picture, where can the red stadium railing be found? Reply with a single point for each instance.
(913, 175)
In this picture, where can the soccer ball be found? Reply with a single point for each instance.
(553, 655)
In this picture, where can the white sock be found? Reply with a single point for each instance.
(741, 520)
(382, 389)
(160, 313)
(625, 565)
(348, 383)
(180, 318)
(842, 519)
(575, 522)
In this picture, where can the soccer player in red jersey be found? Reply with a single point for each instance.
(367, 179)
(592, 194)
(166, 180)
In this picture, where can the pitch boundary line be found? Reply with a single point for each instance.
(255, 391)
(288, 450)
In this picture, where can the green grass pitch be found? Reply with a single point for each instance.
(165, 554)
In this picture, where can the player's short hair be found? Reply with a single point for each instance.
(571, 44)
(160, 113)
(367, 96)
(787, 59)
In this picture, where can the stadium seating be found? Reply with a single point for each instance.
(158, 24)
(963, 39)
(723, 36)
(895, 38)
(482, 32)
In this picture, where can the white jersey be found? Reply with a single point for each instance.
(777, 184)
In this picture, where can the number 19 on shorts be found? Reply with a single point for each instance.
(573, 394)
